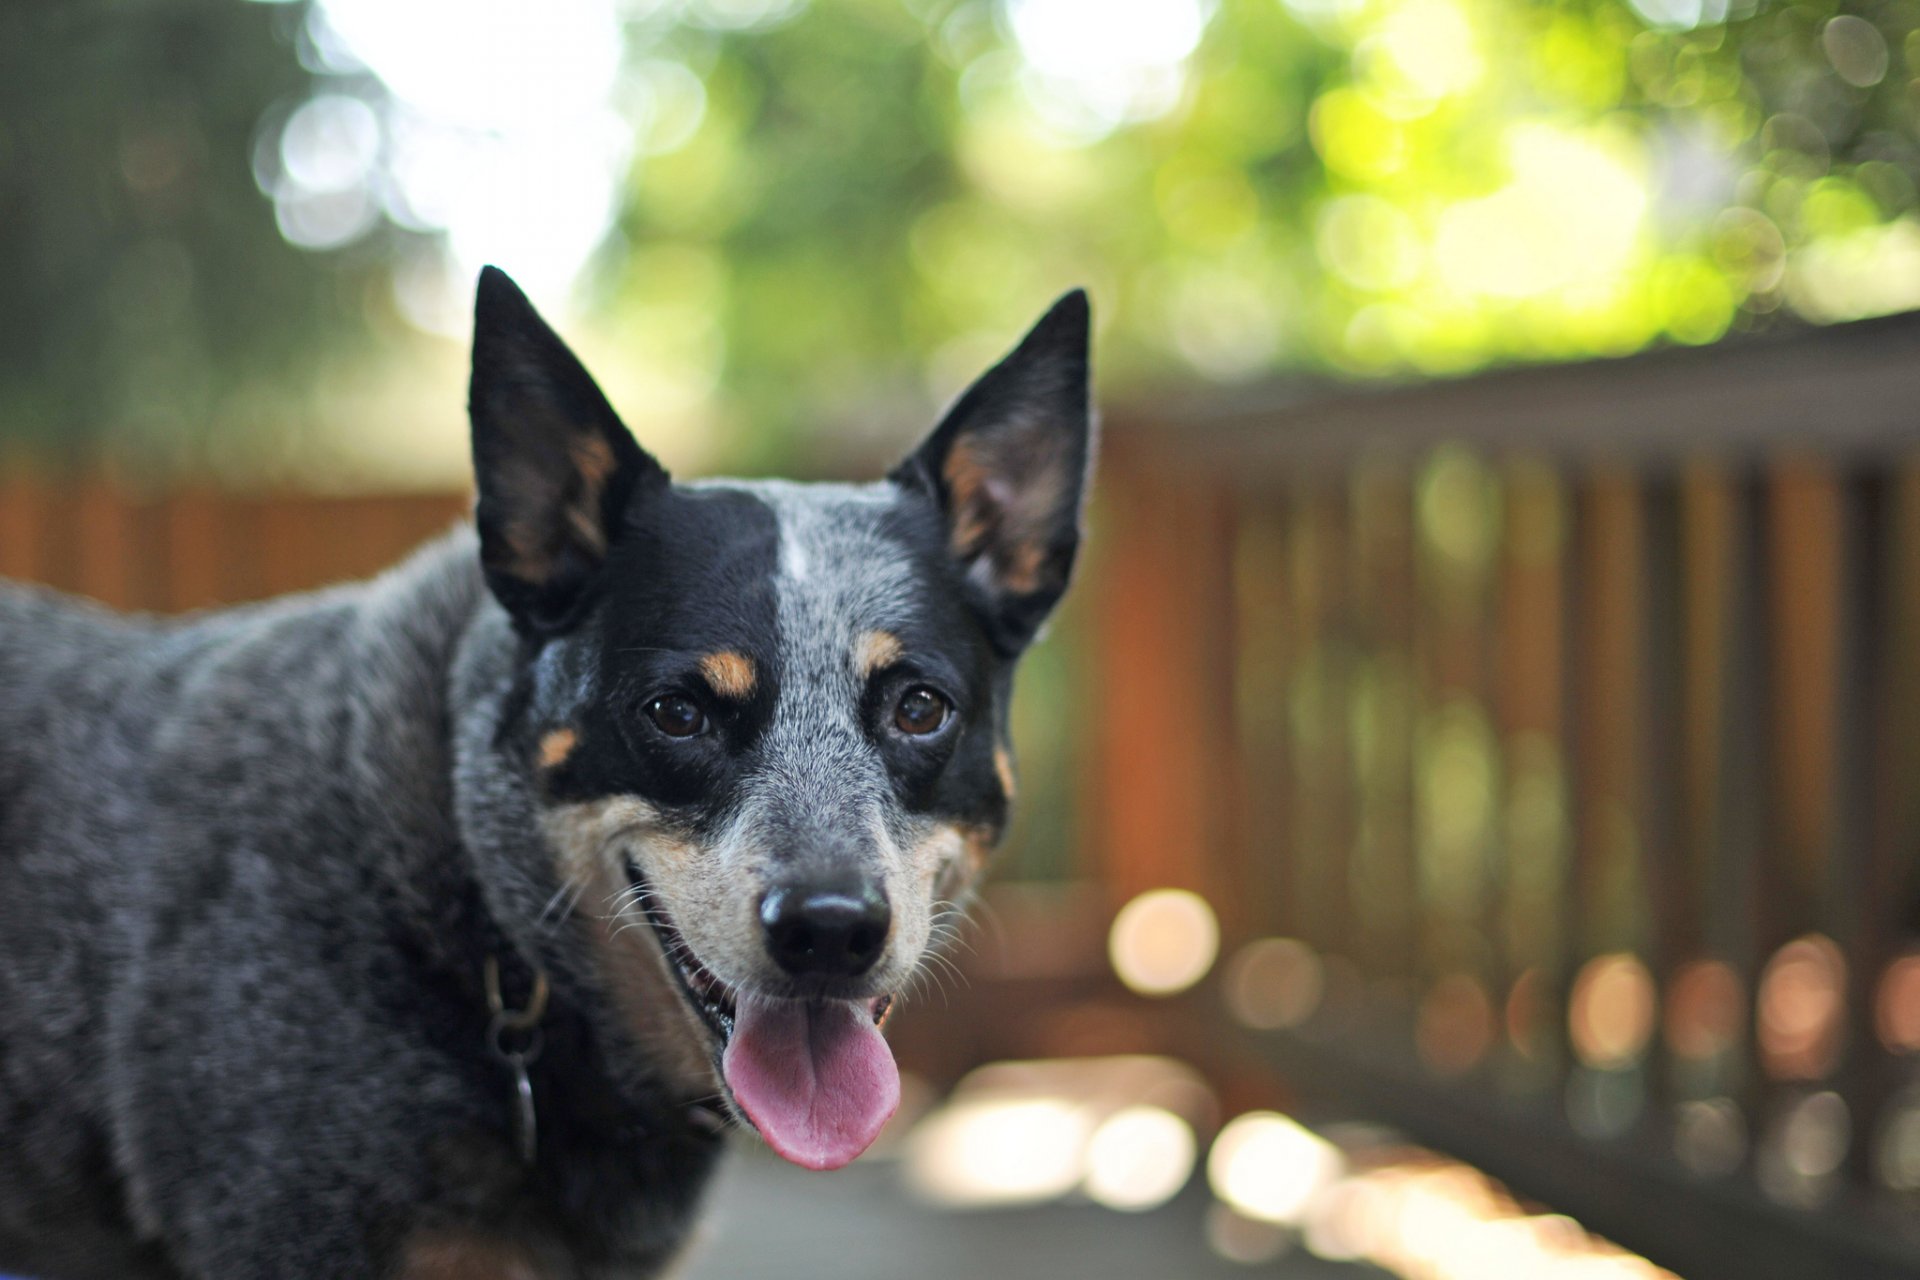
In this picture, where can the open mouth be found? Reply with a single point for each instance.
(712, 998)
(814, 1076)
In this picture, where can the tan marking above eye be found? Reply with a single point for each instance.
(730, 674)
(1003, 766)
(556, 746)
(875, 651)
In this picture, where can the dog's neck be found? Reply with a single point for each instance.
(464, 875)
(504, 875)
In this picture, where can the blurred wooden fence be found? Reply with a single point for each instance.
(1549, 745)
(1547, 742)
(190, 549)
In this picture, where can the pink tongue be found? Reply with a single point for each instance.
(817, 1080)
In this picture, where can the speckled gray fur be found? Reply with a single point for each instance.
(253, 863)
(241, 1022)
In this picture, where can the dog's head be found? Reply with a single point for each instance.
(763, 725)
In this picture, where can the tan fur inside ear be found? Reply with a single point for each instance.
(731, 674)
(561, 509)
(1003, 505)
(593, 462)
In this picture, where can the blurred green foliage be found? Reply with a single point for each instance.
(147, 287)
(841, 204)
(1373, 187)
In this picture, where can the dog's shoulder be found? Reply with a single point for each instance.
(76, 677)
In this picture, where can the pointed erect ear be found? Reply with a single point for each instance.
(1008, 466)
(553, 465)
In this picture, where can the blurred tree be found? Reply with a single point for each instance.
(147, 283)
(1369, 186)
(827, 211)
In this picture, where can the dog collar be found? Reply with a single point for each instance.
(514, 1038)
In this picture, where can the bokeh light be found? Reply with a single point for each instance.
(1408, 187)
(1119, 1130)
(1163, 941)
(1097, 65)
(1705, 1010)
(1274, 983)
(1269, 1167)
(1897, 1005)
(1372, 1198)
(1800, 1008)
(1611, 1013)
(491, 129)
(1800, 1154)
(1139, 1158)
(986, 1152)
(1710, 1135)
(1456, 1024)
(1567, 221)
(1525, 1014)
(1897, 1147)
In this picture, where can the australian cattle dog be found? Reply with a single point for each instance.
(441, 925)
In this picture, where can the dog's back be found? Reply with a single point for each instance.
(61, 662)
(174, 798)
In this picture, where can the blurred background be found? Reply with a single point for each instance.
(1465, 826)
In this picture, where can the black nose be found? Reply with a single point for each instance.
(831, 929)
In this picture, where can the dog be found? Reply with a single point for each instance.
(441, 925)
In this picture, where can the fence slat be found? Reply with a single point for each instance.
(194, 548)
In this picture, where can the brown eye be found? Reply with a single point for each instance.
(677, 717)
(921, 711)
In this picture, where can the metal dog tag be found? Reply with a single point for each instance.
(523, 1026)
(526, 1130)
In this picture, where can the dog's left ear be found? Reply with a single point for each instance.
(554, 466)
(1008, 466)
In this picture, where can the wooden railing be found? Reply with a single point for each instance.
(188, 549)
(1564, 727)
(1548, 744)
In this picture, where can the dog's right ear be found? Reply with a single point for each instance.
(554, 466)
(1008, 468)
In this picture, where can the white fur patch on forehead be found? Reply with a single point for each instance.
(834, 554)
(794, 561)
(840, 575)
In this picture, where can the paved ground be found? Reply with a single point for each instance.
(771, 1221)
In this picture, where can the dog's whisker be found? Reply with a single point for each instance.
(632, 895)
(624, 927)
(571, 889)
(554, 901)
(916, 986)
(986, 925)
(949, 933)
(948, 968)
